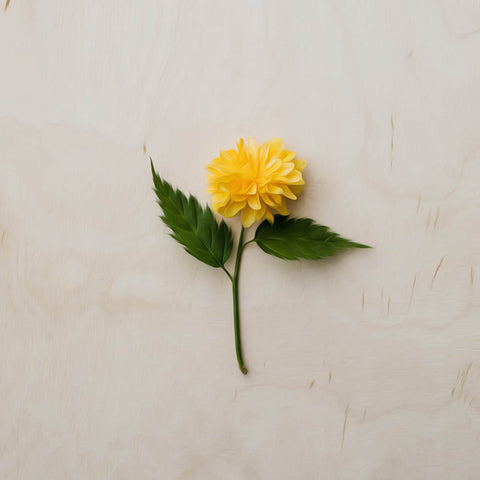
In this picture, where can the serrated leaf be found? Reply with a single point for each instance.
(295, 238)
(193, 226)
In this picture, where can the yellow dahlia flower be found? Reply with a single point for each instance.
(254, 179)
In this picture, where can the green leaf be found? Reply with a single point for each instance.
(192, 226)
(294, 238)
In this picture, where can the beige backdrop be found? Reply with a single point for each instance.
(116, 348)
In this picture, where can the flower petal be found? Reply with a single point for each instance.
(271, 166)
(214, 168)
(300, 164)
(272, 188)
(267, 199)
(288, 193)
(263, 154)
(286, 169)
(232, 209)
(259, 214)
(247, 217)
(287, 155)
(294, 176)
(228, 156)
(296, 189)
(220, 199)
(281, 207)
(275, 147)
(252, 154)
(251, 189)
(240, 144)
(268, 215)
(254, 202)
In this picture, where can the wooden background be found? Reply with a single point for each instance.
(116, 348)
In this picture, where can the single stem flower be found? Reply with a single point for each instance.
(251, 180)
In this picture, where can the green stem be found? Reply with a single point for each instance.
(228, 273)
(236, 317)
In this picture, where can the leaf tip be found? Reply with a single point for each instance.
(361, 245)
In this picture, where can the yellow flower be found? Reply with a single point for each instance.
(254, 179)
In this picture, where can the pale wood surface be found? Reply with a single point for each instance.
(116, 348)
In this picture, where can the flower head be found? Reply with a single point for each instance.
(253, 179)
